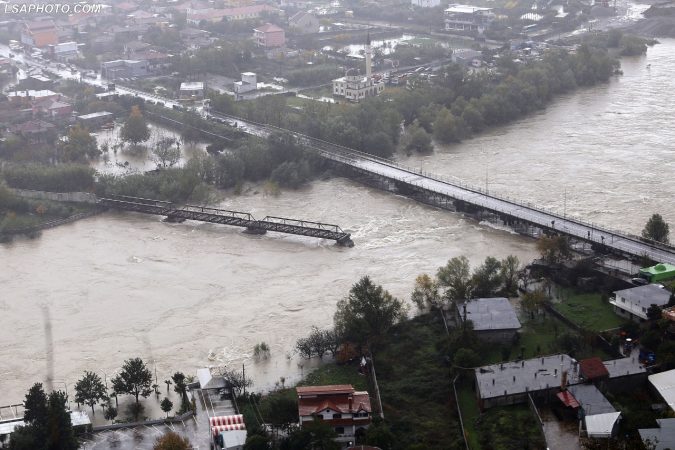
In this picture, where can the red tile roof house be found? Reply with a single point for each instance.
(339, 405)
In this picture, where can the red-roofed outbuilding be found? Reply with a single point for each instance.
(592, 369)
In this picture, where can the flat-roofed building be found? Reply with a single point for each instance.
(96, 119)
(511, 382)
(664, 384)
(494, 319)
(124, 68)
(661, 438)
(633, 303)
(192, 90)
(468, 18)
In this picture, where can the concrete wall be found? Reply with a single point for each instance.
(77, 197)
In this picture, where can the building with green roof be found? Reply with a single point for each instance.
(658, 272)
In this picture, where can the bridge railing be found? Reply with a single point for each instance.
(219, 212)
(304, 224)
(461, 184)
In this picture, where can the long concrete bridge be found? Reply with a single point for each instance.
(437, 190)
(225, 217)
(453, 194)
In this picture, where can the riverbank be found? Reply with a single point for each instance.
(24, 212)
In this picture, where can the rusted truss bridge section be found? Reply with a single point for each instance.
(176, 213)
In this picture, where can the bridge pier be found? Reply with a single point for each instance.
(173, 219)
(255, 230)
(345, 242)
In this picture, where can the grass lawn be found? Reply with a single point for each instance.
(588, 311)
(538, 338)
(414, 381)
(336, 374)
(470, 412)
(501, 427)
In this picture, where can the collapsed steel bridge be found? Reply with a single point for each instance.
(175, 213)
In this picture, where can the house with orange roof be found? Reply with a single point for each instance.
(346, 410)
(269, 36)
(39, 34)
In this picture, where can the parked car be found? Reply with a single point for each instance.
(639, 281)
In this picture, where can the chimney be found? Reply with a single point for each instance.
(563, 381)
(351, 401)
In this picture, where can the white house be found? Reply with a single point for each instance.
(633, 303)
(426, 3)
(248, 83)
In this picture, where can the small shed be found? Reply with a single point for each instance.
(494, 319)
(208, 381)
(658, 272)
(96, 119)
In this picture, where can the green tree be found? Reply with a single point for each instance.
(473, 118)
(656, 229)
(35, 406)
(416, 140)
(90, 390)
(315, 435)
(447, 127)
(257, 442)
(135, 129)
(367, 313)
(487, 278)
(172, 441)
(455, 277)
(379, 435)
(553, 249)
(510, 270)
(134, 379)
(281, 411)
(180, 387)
(166, 406)
(654, 312)
(60, 433)
(110, 413)
(425, 295)
(78, 146)
(533, 301)
(466, 358)
(166, 153)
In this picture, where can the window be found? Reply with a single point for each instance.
(340, 430)
(337, 416)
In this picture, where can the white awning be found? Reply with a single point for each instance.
(601, 425)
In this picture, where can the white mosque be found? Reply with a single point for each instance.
(354, 86)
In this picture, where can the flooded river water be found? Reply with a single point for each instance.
(187, 295)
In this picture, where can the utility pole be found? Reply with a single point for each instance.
(565, 205)
(243, 376)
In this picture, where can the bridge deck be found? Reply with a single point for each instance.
(549, 220)
(226, 217)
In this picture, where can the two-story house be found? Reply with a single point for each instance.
(342, 407)
(633, 303)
